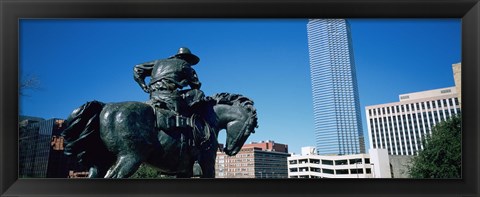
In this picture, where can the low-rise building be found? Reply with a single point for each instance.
(311, 165)
(265, 159)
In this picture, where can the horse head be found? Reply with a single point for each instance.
(236, 114)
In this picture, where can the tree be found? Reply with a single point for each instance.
(441, 156)
(28, 82)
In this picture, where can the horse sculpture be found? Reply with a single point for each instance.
(113, 139)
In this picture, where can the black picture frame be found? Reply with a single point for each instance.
(13, 10)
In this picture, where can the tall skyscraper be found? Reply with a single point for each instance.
(336, 106)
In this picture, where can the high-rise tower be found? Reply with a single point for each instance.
(336, 106)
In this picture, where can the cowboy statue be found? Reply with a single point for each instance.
(175, 131)
(168, 78)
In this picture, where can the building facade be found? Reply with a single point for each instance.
(400, 127)
(399, 164)
(311, 165)
(336, 106)
(265, 159)
(41, 149)
(457, 77)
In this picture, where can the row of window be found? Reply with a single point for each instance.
(331, 171)
(412, 106)
(405, 130)
(330, 162)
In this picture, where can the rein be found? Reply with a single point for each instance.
(206, 130)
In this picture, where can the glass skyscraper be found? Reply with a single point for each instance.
(41, 149)
(336, 106)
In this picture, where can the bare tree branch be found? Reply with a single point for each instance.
(30, 82)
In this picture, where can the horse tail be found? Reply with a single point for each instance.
(240, 100)
(82, 135)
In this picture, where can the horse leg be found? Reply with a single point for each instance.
(207, 163)
(125, 166)
(208, 168)
(97, 171)
(94, 172)
(187, 171)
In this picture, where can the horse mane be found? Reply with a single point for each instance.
(240, 100)
(231, 99)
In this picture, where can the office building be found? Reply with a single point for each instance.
(336, 106)
(400, 127)
(265, 159)
(311, 165)
(399, 165)
(41, 149)
(457, 76)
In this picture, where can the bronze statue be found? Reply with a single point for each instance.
(171, 131)
(168, 76)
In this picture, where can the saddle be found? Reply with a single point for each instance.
(197, 129)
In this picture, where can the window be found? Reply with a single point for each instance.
(328, 171)
(327, 162)
(356, 171)
(315, 169)
(342, 171)
(355, 161)
(341, 162)
(315, 161)
(304, 169)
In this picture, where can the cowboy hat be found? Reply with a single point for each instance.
(186, 54)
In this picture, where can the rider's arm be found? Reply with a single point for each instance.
(140, 72)
(193, 79)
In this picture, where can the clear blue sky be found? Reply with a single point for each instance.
(77, 61)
